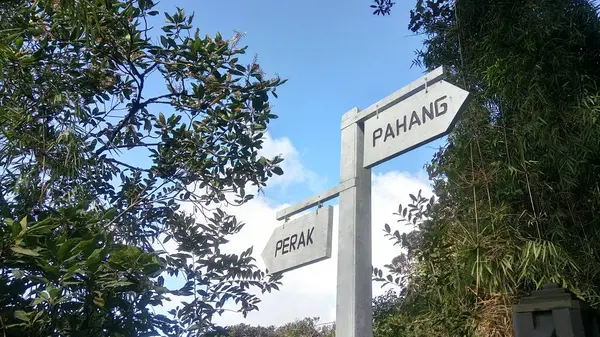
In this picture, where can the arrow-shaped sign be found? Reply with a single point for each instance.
(300, 242)
(427, 115)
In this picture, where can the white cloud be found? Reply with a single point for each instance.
(311, 290)
(294, 171)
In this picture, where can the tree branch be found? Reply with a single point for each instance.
(127, 165)
(135, 145)
(157, 98)
(135, 105)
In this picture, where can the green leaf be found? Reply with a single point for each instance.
(19, 43)
(18, 273)
(42, 227)
(119, 284)
(22, 315)
(196, 45)
(15, 226)
(51, 270)
(38, 279)
(258, 127)
(161, 290)
(72, 270)
(95, 259)
(172, 42)
(277, 170)
(64, 248)
(99, 301)
(39, 299)
(96, 252)
(26, 60)
(24, 251)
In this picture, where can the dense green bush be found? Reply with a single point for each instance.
(518, 184)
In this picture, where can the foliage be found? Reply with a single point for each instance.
(517, 184)
(108, 134)
(307, 327)
(386, 314)
(382, 7)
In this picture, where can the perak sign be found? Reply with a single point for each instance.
(300, 242)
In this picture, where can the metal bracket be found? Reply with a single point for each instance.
(316, 199)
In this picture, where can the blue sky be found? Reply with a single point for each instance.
(336, 55)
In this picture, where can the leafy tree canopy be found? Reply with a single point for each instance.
(106, 129)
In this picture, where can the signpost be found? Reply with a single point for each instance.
(422, 111)
(300, 242)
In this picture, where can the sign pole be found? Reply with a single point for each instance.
(354, 287)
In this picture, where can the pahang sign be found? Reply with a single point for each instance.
(427, 115)
(300, 242)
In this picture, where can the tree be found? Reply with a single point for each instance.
(307, 327)
(109, 130)
(517, 183)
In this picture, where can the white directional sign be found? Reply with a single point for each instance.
(420, 118)
(300, 242)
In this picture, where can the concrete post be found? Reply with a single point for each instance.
(354, 316)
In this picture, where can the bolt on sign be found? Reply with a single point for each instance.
(300, 242)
